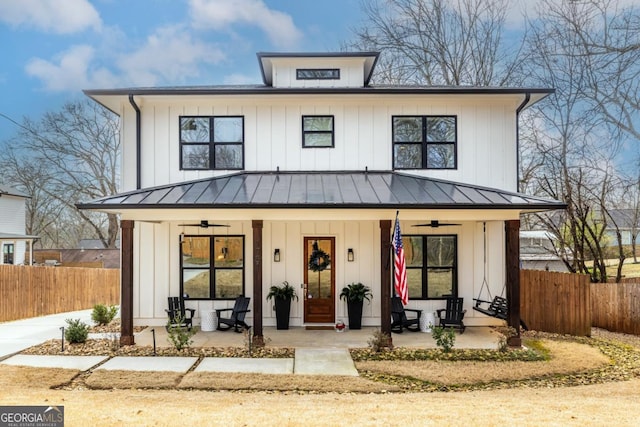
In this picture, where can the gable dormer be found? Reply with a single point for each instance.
(317, 70)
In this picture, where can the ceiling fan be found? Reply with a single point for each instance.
(203, 224)
(435, 224)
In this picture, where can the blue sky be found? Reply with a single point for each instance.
(52, 49)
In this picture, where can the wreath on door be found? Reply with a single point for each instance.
(319, 260)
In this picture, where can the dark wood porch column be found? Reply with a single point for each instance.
(258, 338)
(126, 282)
(385, 277)
(512, 246)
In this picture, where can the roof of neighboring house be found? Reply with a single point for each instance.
(624, 218)
(359, 190)
(109, 258)
(10, 191)
(537, 234)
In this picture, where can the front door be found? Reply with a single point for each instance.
(319, 279)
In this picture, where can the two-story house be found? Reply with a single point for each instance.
(16, 247)
(227, 190)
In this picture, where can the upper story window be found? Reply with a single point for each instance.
(432, 265)
(317, 131)
(317, 74)
(211, 142)
(424, 142)
(212, 266)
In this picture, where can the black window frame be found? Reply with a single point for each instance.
(425, 267)
(331, 73)
(424, 143)
(212, 267)
(8, 257)
(211, 143)
(316, 132)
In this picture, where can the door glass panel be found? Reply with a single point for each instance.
(319, 268)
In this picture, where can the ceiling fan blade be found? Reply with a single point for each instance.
(203, 224)
(435, 224)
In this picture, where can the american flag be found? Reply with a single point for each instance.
(400, 270)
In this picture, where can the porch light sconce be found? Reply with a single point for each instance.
(276, 255)
(350, 256)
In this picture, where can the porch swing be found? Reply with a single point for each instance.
(497, 306)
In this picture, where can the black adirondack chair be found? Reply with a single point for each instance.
(399, 319)
(178, 314)
(452, 315)
(236, 318)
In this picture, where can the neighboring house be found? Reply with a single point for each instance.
(628, 223)
(537, 251)
(228, 190)
(16, 247)
(94, 244)
(92, 258)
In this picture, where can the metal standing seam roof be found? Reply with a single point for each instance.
(354, 190)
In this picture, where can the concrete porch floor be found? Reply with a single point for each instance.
(476, 337)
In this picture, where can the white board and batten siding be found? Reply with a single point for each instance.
(486, 149)
(157, 264)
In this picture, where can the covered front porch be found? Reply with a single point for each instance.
(276, 217)
(474, 337)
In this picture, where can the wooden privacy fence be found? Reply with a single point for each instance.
(30, 291)
(616, 306)
(556, 302)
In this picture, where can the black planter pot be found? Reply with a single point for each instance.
(283, 308)
(355, 314)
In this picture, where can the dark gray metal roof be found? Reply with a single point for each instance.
(322, 190)
(269, 90)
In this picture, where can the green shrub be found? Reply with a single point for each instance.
(103, 315)
(76, 331)
(445, 338)
(179, 334)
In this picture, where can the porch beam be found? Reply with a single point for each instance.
(512, 262)
(126, 282)
(258, 338)
(385, 277)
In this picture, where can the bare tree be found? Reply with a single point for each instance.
(66, 157)
(438, 42)
(566, 51)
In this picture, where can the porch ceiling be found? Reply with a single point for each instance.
(321, 190)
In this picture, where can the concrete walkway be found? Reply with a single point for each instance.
(18, 335)
(317, 352)
(310, 361)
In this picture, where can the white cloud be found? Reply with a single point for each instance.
(56, 16)
(222, 14)
(72, 71)
(170, 54)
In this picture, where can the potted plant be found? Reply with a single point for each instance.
(282, 296)
(355, 294)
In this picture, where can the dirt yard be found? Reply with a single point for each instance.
(290, 401)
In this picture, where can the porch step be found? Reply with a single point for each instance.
(324, 361)
(319, 327)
